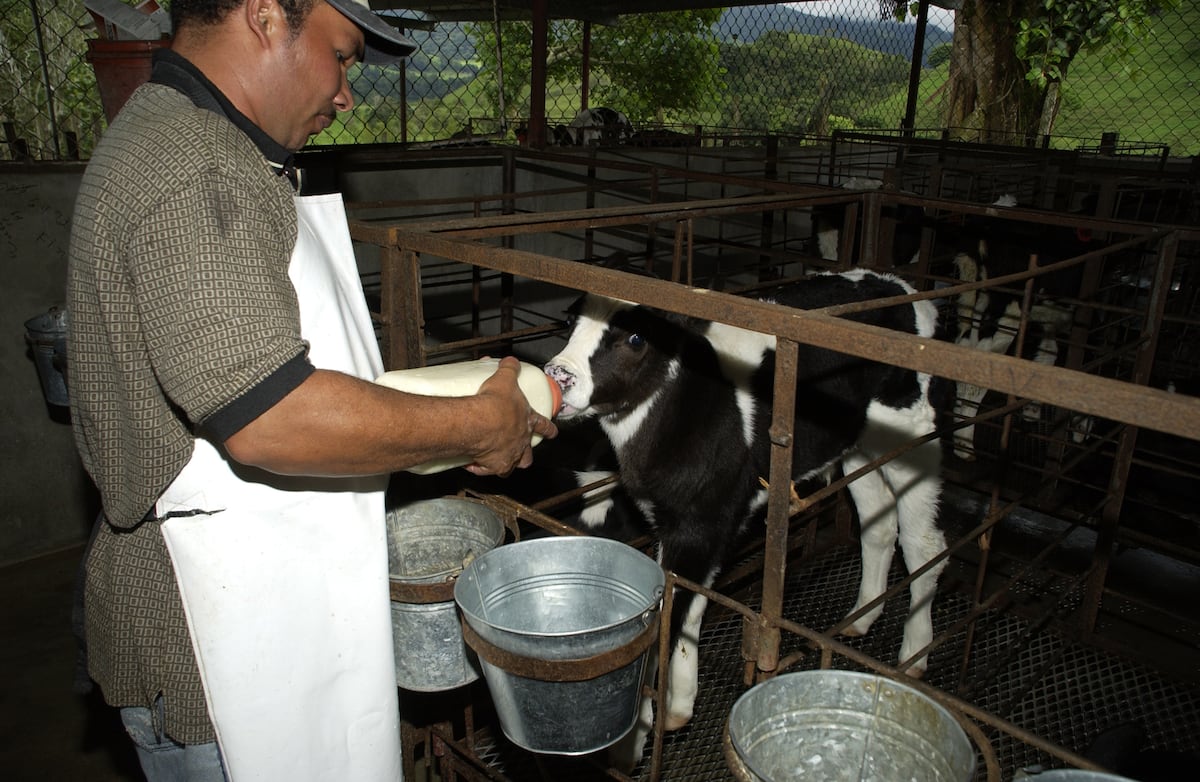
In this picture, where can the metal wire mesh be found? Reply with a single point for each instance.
(49, 105)
(1020, 670)
(1023, 667)
(798, 69)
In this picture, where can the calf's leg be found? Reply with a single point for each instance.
(915, 481)
(877, 536)
(683, 677)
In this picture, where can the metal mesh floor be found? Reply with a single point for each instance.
(1061, 691)
(1064, 692)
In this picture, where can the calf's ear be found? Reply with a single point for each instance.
(574, 308)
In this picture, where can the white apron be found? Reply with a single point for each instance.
(286, 588)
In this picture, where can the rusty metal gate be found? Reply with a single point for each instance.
(1034, 628)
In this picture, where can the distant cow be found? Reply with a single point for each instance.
(828, 221)
(988, 319)
(686, 405)
(600, 125)
(983, 247)
(662, 137)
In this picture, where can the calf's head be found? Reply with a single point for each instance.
(618, 355)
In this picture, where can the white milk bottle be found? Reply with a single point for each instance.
(464, 379)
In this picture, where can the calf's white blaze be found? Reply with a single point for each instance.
(576, 357)
(621, 430)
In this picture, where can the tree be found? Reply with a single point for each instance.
(657, 63)
(938, 55)
(646, 65)
(1048, 41)
(47, 89)
(1010, 58)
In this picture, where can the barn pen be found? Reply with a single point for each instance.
(1062, 623)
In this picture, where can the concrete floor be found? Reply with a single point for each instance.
(47, 730)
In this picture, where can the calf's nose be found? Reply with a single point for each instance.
(560, 374)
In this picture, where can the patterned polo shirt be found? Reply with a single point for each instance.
(183, 323)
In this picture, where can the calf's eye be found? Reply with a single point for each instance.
(636, 341)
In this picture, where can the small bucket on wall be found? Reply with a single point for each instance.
(47, 338)
(563, 628)
(429, 544)
(121, 67)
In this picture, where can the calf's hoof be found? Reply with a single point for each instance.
(676, 721)
(627, 753)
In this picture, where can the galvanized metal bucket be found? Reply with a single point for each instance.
(842, 726)
(47, 338)
(563, 627)
(429, 544)
(1071, 775)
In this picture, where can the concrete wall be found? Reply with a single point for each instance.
(47, 499)
(48, 502)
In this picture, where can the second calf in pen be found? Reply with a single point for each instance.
(686, 405)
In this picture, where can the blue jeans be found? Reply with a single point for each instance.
(165, 760)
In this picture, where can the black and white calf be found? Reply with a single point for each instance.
(828, 221)
(686, 405)
(600, 125)
(988, 319)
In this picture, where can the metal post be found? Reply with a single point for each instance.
(537, 75)
(1106, 536)
(404, 101)
(37, 29)
(914, 73)
(778, 500)
(585, 73)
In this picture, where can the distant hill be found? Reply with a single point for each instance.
(747, 23)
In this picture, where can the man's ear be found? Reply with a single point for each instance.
(265, 19)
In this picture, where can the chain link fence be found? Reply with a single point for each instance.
(49, 105)
(793, 69)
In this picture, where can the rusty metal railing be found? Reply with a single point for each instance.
(477, 242)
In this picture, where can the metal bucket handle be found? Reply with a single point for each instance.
(571, 670)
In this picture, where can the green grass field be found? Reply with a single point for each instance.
(1155, 102)
(1152, 100)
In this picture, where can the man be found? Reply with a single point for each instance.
(221, 357)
